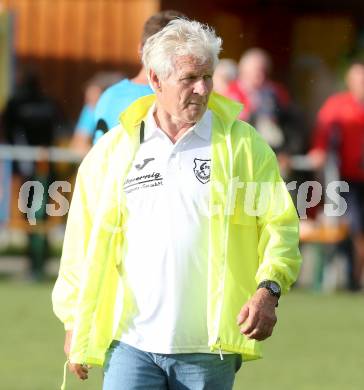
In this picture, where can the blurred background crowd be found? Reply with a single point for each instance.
(297, 67)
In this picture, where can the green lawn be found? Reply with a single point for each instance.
(318, 344)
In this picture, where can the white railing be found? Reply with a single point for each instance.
(38, 153)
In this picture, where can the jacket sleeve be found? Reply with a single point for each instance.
(66, 289)
(278, 229)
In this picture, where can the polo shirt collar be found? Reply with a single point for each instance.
(202, 128)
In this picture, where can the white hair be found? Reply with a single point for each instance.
(181, 37)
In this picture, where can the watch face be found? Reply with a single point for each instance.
(272, 287)
(275, 288)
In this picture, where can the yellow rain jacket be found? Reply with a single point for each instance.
(245, 246)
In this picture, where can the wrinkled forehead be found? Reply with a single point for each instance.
(192, 64)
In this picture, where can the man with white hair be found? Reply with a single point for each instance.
(162, 280)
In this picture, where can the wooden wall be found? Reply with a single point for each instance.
(70, 40)
(101, 30)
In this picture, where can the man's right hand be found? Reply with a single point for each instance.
(80, 370)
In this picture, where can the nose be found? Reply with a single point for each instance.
(202, 87)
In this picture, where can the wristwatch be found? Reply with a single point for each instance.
(273, 287)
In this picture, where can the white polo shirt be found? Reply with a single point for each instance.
(167, 191)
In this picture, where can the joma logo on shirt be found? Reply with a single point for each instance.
(145, 162)
(202, 170)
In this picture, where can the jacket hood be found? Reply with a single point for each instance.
(226, 109)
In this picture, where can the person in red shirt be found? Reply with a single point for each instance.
(269, 108)
(254, 89)
(264, 100)
(226, 72)
(340, 129)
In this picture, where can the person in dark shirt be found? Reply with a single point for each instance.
(31, 118)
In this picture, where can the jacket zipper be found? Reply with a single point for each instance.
(218, 341)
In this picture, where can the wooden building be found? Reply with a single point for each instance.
(72, 39)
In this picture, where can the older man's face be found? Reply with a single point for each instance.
(184, 94)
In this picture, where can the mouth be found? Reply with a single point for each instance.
(196, 104)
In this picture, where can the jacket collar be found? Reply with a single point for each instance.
(225, 109)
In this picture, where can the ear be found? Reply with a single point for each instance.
(154, 80)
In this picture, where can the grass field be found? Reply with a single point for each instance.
(318, 344)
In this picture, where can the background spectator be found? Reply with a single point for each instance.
(268, 107)
(82, 138)
(32, 118)
(340, 130)
(225, 73)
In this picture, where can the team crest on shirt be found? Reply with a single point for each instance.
(202, 170)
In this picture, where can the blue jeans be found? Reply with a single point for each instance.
(128, 368)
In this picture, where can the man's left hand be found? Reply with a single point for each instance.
(258, 315)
